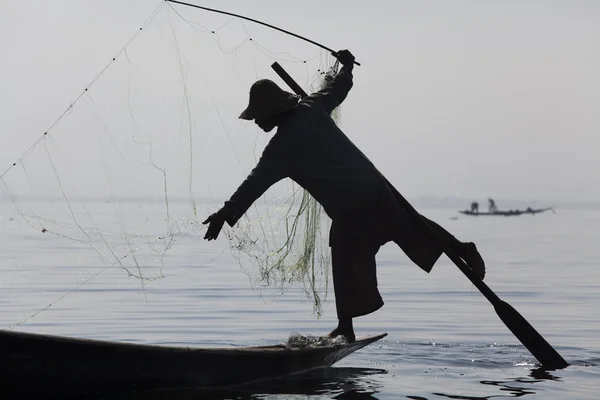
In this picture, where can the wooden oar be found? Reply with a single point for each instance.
(518, 325)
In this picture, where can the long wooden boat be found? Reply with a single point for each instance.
(48, 363)
(507, 213)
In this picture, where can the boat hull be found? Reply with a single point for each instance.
(52, 363)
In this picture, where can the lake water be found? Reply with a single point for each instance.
(444, 338)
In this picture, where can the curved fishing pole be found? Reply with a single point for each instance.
(258, 22)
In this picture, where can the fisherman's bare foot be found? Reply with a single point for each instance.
(344, 329)
(349, 336)
(473, 259)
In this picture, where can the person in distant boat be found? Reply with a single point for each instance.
(492, 205)
(310, 148)
(475, 207)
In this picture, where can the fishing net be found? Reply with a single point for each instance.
(130, 168)
(298, 340)
(288, 244)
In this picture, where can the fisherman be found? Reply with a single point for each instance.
(492, 205)
(475, 207)
(309, 148)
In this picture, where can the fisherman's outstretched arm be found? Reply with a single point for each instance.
(336, 90)
(267, 172)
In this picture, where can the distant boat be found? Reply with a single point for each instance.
(508, 213)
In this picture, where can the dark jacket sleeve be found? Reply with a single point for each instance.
(269, 170)
(335, 92)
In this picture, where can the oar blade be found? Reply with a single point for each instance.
(531, 339)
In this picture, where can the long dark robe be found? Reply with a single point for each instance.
(311, 149)
(355, 240)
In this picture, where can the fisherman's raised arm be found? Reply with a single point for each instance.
(336, 90)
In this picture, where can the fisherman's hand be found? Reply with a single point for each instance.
(345, 57)
(215, 222)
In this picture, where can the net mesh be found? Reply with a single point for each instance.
(129, 167)
(298, 340)
(288, 245)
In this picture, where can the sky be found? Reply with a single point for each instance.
(467, 99)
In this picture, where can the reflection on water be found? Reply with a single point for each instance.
(341, 383)
(510, 388)
(542, 374)
(330, 383)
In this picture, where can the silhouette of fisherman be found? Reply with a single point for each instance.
(475, 207)
(492, 205)
(309, 148)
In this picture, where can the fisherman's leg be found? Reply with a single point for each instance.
(466, 250)
(344, 329)
(421, 247)
(355, 284)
